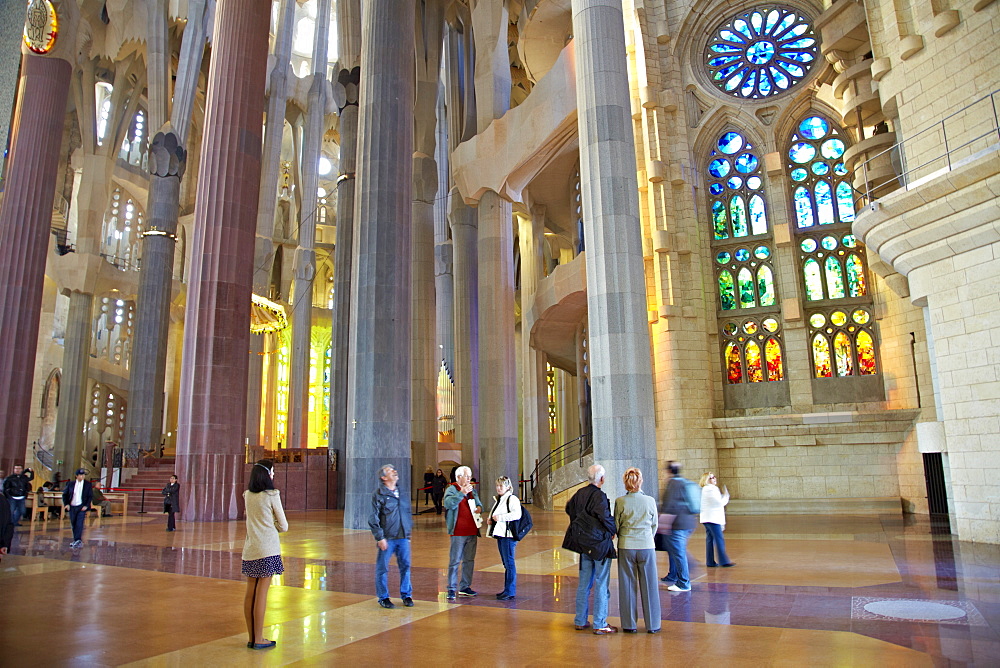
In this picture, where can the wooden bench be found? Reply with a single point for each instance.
(55, 499)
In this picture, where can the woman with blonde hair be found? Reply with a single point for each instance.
(713, 516)
(636, 519)
(506, 509)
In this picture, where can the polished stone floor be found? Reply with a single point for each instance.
(806, 591)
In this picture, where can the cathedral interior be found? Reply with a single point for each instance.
(757, 238)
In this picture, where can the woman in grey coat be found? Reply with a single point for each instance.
(635, 517)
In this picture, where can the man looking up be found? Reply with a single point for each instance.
(391, 523)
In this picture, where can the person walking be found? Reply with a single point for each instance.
(463, 517)
(17, 487)
(506, 509)
(635, 517)
(172, 501)
(437, 490)
(78, 495)
(391, 523)
(591, 534)
(262, 550)
(713, 516)
(683, 500)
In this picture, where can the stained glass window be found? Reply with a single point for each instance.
(814, 283)
(745, 281)
(761, 52)
(856, 276)
(755, 371)
(821, 356)
(752, 352)
(866, 353)
(834, 278)
(815, 157)
(734, 365)
(844, 354)
(772, 355)
(765, 286)
(734, 183)
(727, 293)
(852, 352)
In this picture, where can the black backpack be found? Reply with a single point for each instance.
(520, 528)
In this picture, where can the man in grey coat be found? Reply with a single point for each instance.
(391, 523)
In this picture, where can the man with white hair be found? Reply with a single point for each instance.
(463, 516)
(591, 533)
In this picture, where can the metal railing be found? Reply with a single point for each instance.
(568, 453)
(910, 176)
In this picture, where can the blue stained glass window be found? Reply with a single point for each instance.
(723, 257)
(840, 169)
(762, 252)
(808, 245)
(746, 163)
(753, 182)
(803, 208)
(849, 241)
(824, 203)
(773, 49)
(738, 214)
(820, 168)
(715, 189)
(799, 174)
(829, 242)
(832, 148)
(814, 127)
(802, 152)
(734, 182)
(742, 255)
(758, 219)
(730, 143)
(845, 202)
(719, 168)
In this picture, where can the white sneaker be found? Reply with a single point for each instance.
(76, 543)
(674, 587)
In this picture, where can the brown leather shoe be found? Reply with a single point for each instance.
(607, 630)
(584, 627)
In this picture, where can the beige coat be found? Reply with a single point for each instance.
(635, 517)
(265, 518)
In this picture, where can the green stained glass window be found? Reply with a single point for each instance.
(765, 285)
(821, 357)
(834, 278)
(866, 354)
(734, 366)
(719, 221)
(738, 212)
(856, 276)
(843, 354)
(744, 212)
(814, 283)
(727, 293)
(745, 280)
(755, 371)
(773, 361)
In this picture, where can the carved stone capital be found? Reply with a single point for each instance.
(167, 156)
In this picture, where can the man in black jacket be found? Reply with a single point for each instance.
(591, 533)
(16, 488)
(78, 495)
(391, 522)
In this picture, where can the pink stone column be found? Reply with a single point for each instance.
(212, 412)
(36, 139)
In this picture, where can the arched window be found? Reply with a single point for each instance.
(133, 149)
(736, 197)
(112, 333)
(752, 350)
(842, 343)
(821, 194)
(122, 231)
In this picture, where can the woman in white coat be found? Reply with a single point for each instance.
(713, 516)
(506, 509)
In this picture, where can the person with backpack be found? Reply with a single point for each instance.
(636, 519)
(682, 499)
(591, 534)
(503, 518)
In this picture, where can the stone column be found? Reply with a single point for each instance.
(497, 365)
(533, 390)
(32, 162)
(444, 284)
(68, 444)
(620, 368)
(212, 416)
(266, 200)
(379, 380)
(464, 224)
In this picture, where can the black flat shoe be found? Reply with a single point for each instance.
(653, 631)
(630, 630)
(407, 601)
(386, 603)
(263, 645)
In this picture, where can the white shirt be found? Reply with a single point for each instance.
(77, 493)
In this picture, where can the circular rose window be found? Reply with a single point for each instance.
(761, 52)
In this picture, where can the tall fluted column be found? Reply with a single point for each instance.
(212, 417)
(274, 129)
(305, 254)
(379, 380)
(35, 147)
(68, 445)
(497, 365)
(533, 389)
(444, 284)
(464, 223)
(618, 331)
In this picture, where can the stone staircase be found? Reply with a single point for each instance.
(153, 477)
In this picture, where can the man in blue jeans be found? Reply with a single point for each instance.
(591, 533)
(391, 523)
(78, 495)
(683, 500)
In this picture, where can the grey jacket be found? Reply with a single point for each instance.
(390, 517)
(683, 499)
(635, 517)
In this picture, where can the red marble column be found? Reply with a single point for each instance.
(36, 139)
(212, 415)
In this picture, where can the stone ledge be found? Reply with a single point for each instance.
(878, 505)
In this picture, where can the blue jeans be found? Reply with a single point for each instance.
(463, 551)
(76, 517)
(16, 511)
(507, 547)
(713, 538)
(401, 547)
(677, 542)
(594, 574)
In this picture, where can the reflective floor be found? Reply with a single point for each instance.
(806, 591)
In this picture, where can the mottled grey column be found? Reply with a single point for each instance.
(535, 423)
(68, 444)
(379, 381)
(620, 368)
(444, 285)
(463, 235)
(212, 412)
(274, 128)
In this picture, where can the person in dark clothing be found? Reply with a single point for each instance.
(437, 490)
(591, 533)
(78, 495)
(6, 529)
(172, 501)
(428, 479)
(17, 488)
(682, 499)
(391, 522)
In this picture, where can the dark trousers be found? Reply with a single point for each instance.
(713, 538)
(170, 521)
(77, 515)
(438, 506)
(16, 511)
